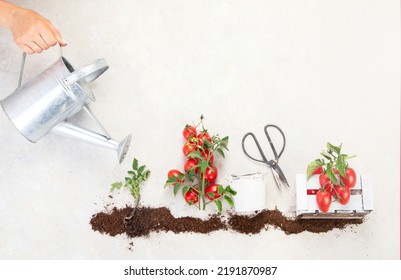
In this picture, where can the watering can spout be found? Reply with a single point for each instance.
(73, 131)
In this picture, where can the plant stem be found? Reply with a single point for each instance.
(137, 201)
(203, 193)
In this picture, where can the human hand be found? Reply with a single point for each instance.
(32, 32)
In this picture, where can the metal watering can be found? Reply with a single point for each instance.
(44, 104)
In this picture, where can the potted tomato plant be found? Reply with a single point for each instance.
(336, 177)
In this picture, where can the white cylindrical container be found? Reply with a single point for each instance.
(251, 191)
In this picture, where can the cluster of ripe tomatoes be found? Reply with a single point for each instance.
(336, 177)
(340, 191)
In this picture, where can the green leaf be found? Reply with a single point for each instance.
(326, 155)
(203, 164)
(229, 200)
(146, 175)
(141, 169)
(224, 142)
(207, 144)
(181, 177)
(195, 154)
(177, 188)
(128, 181)
(131, 172)
(135, 164)
(116, 186)
(191, 174)
(210, 194)
(167, 184)
(341, 166)
(349, 157)
(230, 190)
(171, 180)
(313, 166)
(220, 190)
(220, 151)
(185, 190)
(331, 175)
(219, 205)
(336, 149)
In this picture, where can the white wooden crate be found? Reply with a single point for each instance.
(360, 203)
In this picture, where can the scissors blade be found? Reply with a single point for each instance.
(281, 175)
(276, 177)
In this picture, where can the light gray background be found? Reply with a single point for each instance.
(321, 70)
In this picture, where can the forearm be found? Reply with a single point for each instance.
(7, 13)
(31, 31)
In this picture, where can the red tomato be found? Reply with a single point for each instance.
(323, 200)
(190, 165)
(205, 154)
(325, 182)
(318, 171)
(191, 196)
(189, 147)
(202, 137)
(350, 180)
(342, 194)
(175, 173)
(189, 131)
(211, 174)
(214, 189)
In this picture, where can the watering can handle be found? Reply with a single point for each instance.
(21, 71)
(88, 73)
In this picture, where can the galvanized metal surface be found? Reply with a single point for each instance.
(45, 102)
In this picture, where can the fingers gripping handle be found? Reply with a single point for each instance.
(21, 72)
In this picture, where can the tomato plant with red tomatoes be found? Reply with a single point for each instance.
(197, 182)
(336, 177)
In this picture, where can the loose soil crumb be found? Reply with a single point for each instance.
(146, 220)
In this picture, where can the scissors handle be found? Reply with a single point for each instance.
(257, 145)
(277, 156)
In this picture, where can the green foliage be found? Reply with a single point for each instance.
(133, 182)
(333, 159)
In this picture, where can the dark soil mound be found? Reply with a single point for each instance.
(110, 223)
(256, 223)
(145, 220)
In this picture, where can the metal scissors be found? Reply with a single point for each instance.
(278, 174)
